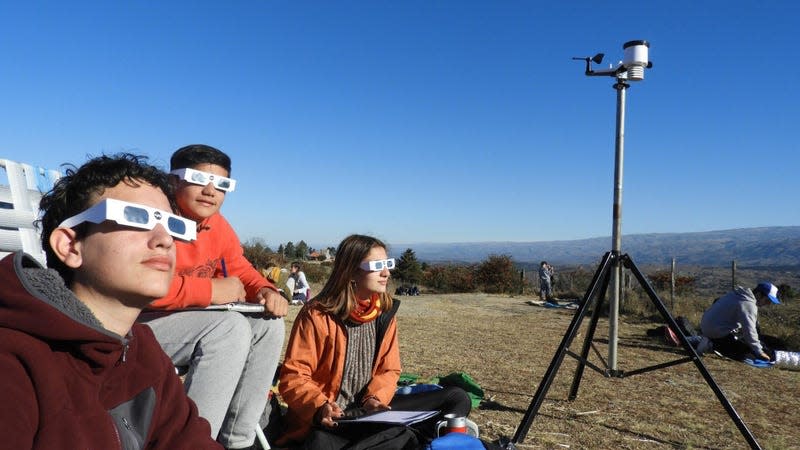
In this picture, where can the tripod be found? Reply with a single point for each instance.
(631, 68)
(596, 294)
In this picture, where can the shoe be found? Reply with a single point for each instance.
(704, 345)
(670, 337)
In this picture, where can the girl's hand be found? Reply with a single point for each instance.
(372, 404)
(326, 413)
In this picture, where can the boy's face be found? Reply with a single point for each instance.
(130, 265)
(200, 202)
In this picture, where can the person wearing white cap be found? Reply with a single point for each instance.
(732, 321)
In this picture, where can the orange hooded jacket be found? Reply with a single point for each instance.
(314, 364)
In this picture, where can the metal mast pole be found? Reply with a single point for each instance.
(616, 234)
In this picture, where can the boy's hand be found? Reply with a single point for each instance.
(226, 290)
(274, 303)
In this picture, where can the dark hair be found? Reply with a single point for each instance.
(296, 264)
(191, 156)
(73, 193)
(338, 296)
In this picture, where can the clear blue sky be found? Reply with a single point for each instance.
(423, 121)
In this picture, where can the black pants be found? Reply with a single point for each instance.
(733, 348)
(449, 400)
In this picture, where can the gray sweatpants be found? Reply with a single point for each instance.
(231, 360)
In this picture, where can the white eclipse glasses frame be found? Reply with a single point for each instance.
(136, 216)
(201, 178)
(377, 265)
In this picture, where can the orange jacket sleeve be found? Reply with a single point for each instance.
(199, 261)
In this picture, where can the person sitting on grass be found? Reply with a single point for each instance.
(343, 355)
(731, 322)
(76, 371)
(300, 289)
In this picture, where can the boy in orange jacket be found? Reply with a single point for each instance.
(231, 357)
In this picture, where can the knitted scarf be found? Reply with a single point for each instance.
(366, 310)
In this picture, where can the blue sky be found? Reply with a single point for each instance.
(423, 121)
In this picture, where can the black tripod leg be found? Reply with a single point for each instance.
(558, 358)
(688, 347)
(587, 342)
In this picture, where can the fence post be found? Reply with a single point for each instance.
(522, 282)
(672, 286)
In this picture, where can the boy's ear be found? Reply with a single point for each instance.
(66, 247)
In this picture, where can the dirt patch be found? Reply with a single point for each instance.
(506, 345)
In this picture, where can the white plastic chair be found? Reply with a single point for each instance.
(19, 206)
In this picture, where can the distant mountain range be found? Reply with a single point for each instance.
(754, 247)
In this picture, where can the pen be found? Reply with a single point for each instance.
(224, 268)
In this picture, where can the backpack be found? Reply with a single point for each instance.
(456, 441)
(278, 277)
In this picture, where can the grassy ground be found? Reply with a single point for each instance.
(506, 345)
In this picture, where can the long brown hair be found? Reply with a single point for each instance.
(338, 297)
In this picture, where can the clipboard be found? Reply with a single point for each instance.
(391, 417)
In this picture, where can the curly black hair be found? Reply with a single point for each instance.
(74, 191)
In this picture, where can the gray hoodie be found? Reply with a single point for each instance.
(736, 310)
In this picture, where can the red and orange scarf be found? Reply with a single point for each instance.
(366, 310)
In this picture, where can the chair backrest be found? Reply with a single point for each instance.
(19, 206)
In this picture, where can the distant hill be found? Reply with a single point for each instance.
(760, 247)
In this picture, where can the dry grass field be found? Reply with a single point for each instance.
(506, 345)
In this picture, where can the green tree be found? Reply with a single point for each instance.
(301, 251)
(408, 268)
(288, 250)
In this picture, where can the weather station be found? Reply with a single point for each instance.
(610, 271)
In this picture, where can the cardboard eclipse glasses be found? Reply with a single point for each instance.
(135, 215)
(377, 265)
(204, 178)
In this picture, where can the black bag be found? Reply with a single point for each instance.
(364, 437)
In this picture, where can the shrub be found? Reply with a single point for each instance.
(317, 273)
(260, 256)
(450, 278)
(498, 275)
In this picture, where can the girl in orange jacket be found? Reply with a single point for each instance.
(343, 353)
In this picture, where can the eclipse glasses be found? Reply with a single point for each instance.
(136, 216)
(203, 178)
(377, 265)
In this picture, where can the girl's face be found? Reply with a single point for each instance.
(367, 282)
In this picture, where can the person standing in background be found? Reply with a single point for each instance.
(545, 282)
